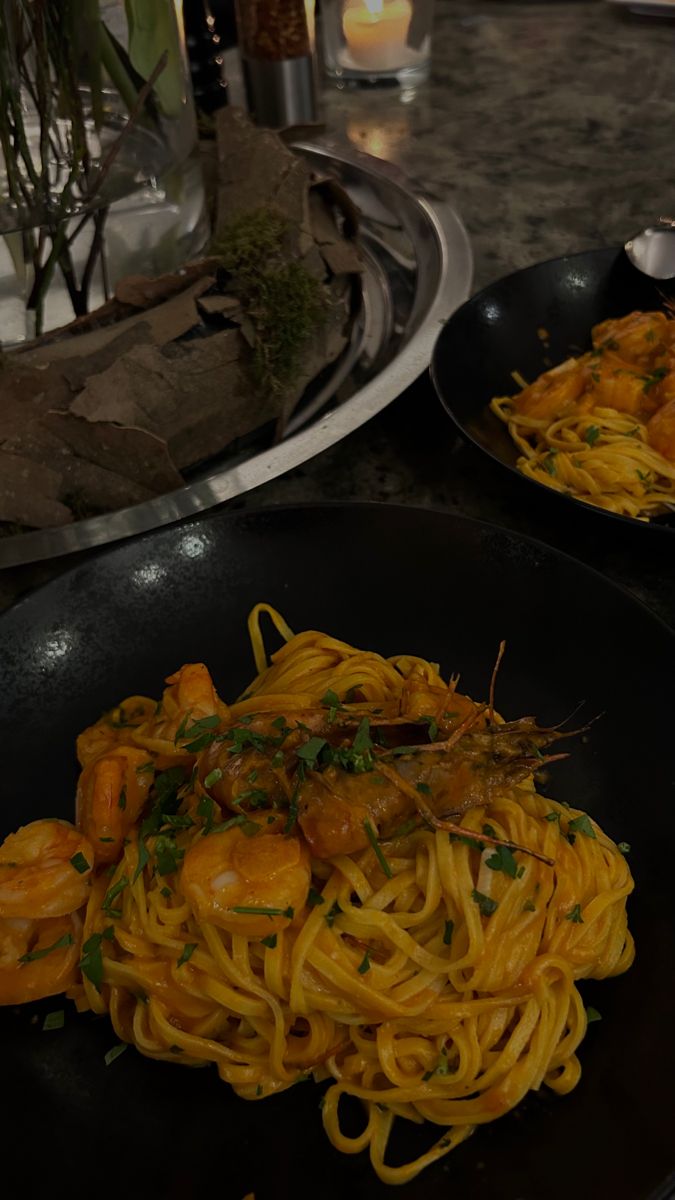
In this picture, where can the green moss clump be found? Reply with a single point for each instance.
(283, 302)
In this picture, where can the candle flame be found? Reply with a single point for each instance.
(374, 6)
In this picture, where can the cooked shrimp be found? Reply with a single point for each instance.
(554, 393)
(38, 958)
(661, 430)
(112, 729)
(44, 870)
(333, 808)
(190, 698)
(111, 793)
(228, 871)
(637, 337)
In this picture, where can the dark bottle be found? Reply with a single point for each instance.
(209, 30)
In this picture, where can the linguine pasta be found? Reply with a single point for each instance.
(601, 427)
(270, 897)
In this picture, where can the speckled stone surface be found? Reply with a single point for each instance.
(551, 128)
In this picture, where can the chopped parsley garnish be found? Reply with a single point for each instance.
(257, 797)
(333, 912)
(188, 950)
(115, 1053)
(314, 898)
(166, 892)
(448, 932)
(278, 758)
(591, 435)
(503, 860)
(122, 798)
(331, 701)
(293, 805)
(270, 941)
(310, 751)
(54, 1020)
(623, 847)
(582, 824)
(575, 915)
(473, 842)
(167, 854)
(404, 829)
(206, 809)
(179, 821)
(146, 766)
(34, 955)
(656, 376)
(364, 965)
(485, 903)
(254, 910)
(91, 963)
(143, 860)
(249, 828)
(213, 777)
(553, 816)
(442, 1066)
(372, 838)
(199, 735)
(79, 862)
(423, 788)
(433, 727)
(112, 894)
(549, 464)
(592, 1014)
(223, 826)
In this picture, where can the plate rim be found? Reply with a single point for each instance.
(232, 515)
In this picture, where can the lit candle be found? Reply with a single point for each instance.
(376, 33)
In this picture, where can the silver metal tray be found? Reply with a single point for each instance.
(417, 271)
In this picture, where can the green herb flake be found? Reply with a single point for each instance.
(310, 751)
(592, 1015)
(372, 838)
(112, 894)
(424, 789)
(91, 963)
(503, 860)
(575, 915)
(333, 912)
(254, 910)
(270, 941)
(582, 824)
(79, 862)
(122, 798)
(278, 758)
(448, 932)
(591, 435)
(35, 955)
(187, 952)
(442, 1066)
(364, 965)
(553, 816)
(432, 724)
(145, 767)
(652, 380)
(206, 810)
(54, 1020)
(213, 777)
(427, 1076)
(167, 855)
(485, 903)
(258, 1090)
(529, 906)
(166, 892)
(106, 839)
(623, 847)
(314, 898)
(115, 1053)
(549, 464)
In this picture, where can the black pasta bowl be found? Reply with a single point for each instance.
(501, 330)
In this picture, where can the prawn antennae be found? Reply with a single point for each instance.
(493, 681)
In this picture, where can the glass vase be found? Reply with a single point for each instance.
(99, 175)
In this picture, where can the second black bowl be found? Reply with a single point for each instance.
(501, 330)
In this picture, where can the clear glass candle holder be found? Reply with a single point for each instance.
(368, 41)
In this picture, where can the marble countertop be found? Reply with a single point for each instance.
(550, 127)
